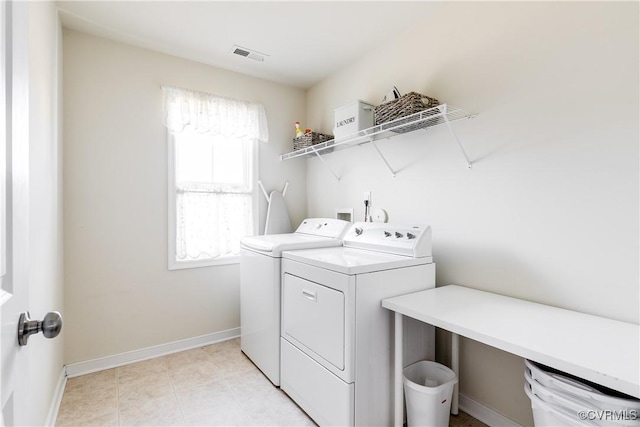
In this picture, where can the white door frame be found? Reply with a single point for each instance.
(14, 145)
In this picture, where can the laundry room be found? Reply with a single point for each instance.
(523, 182)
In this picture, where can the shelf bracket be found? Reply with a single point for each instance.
(443, 110)
(393, 173)
(326, 164)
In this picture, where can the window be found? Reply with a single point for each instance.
(213, 195)
(212, 202)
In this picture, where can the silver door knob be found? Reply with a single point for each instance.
(50, 326)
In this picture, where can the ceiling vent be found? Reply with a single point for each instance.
(248, 53)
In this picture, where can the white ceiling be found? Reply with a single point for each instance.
(305, 40)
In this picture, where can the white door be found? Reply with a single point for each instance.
(14, 209)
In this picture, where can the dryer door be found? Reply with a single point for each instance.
(314, 316)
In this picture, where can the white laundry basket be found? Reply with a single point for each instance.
(577, 400)
(546, 414)
(428, 387)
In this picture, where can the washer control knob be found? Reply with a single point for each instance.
(387, 234)
(398, 235)
(318, 226)
(410, 236)
(358, 231)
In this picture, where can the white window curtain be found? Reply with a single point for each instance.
(210, 225)
(212, 139)
(202, 112)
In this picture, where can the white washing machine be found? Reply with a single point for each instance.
(337, 340)
(260, 276)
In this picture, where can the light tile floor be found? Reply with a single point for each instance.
(214, 385)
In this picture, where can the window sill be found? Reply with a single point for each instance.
(182, 265)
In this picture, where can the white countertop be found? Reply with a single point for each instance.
(600, 350)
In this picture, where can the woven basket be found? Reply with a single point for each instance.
(309, 139)
(406, 105)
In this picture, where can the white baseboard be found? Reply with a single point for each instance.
(484, 414)
(52, 415)
(108, 362)
(471, 407)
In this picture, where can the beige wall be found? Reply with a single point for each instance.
(549, 212)
(119, 294)
(45, 199)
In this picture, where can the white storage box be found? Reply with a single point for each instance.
(351, 118)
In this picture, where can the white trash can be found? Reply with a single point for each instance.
(428, 387)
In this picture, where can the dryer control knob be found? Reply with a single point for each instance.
(398, 235)
(358, 231)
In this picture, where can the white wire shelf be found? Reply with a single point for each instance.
(442, 114)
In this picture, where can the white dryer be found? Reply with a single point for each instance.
(260, 276)
(337, 340)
